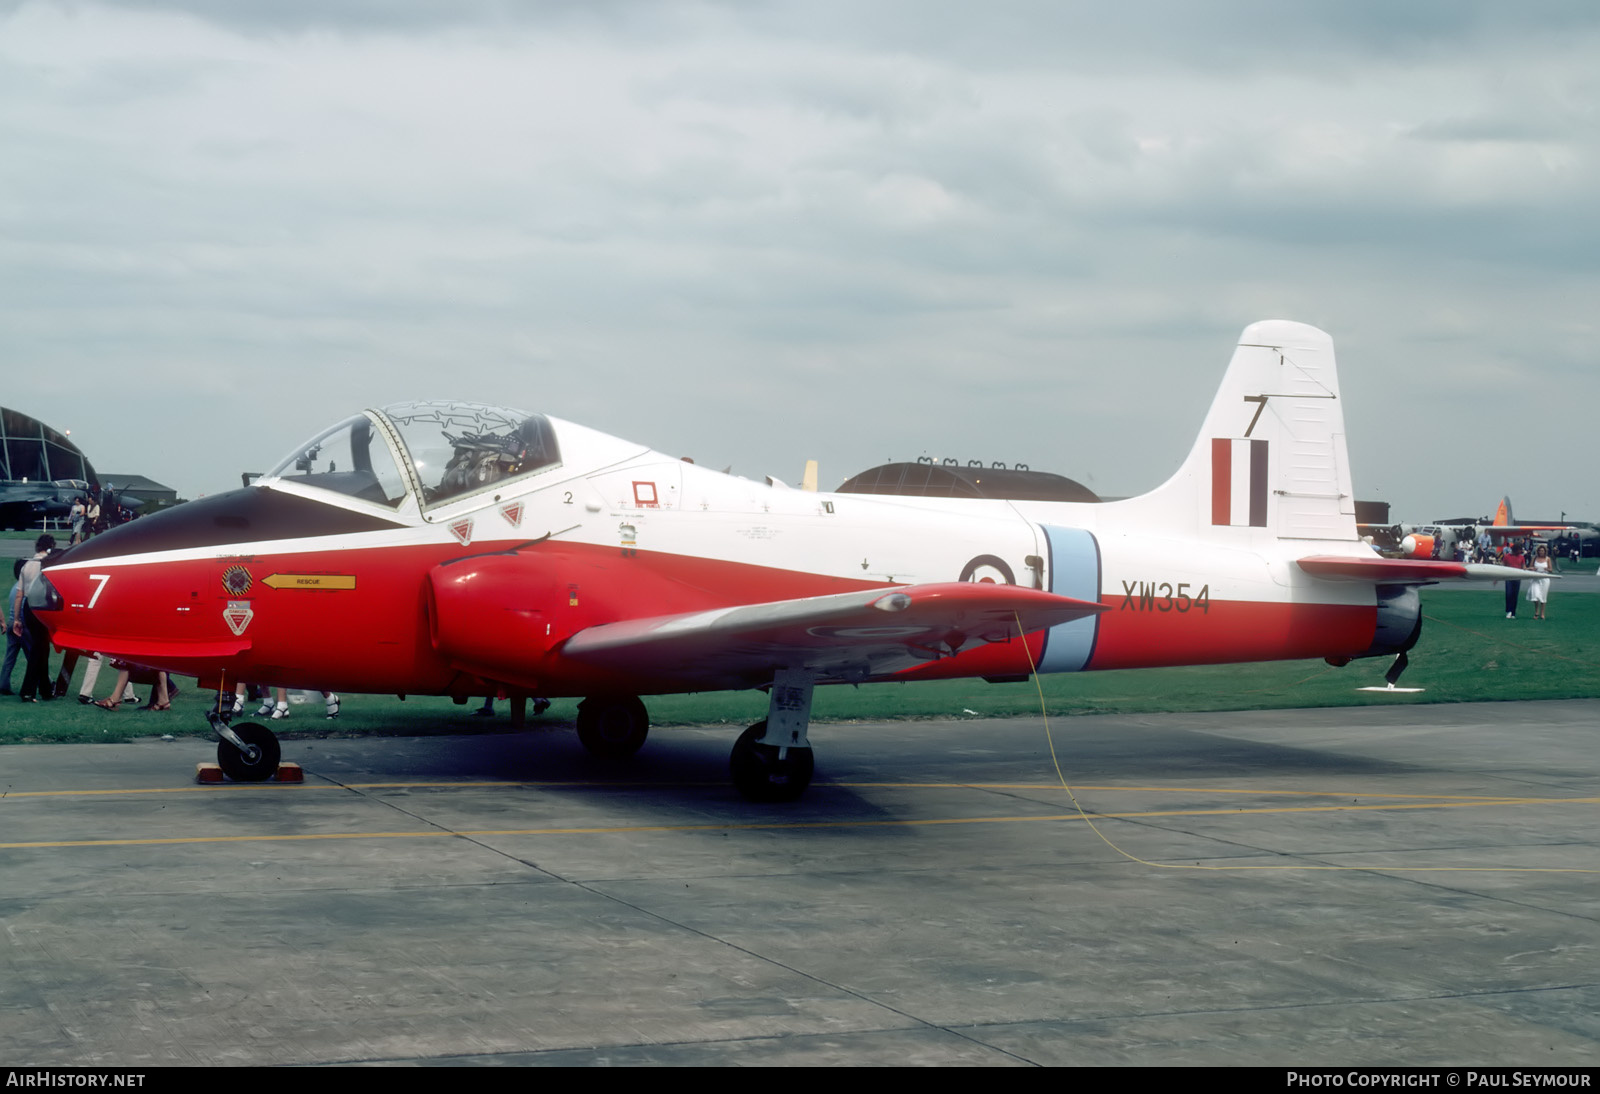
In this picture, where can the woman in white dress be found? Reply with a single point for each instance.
(1539, 589)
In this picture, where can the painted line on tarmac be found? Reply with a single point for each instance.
(560, 784)
(780, 825)
(269, 785)
(1241, 792)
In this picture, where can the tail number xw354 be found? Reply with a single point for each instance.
(1163, 596)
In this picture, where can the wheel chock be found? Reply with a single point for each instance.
(212, 773)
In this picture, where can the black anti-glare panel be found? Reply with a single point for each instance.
(239, 516)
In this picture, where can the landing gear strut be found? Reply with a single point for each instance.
(612, 728)
(1392, 677)
(772, 760)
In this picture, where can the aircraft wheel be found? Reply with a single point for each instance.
(258, 762)
(613, 729)
(760, 776)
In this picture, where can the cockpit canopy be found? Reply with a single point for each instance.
(440, 451)
(460, 448)
(349, 458)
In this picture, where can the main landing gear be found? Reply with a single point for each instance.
(771, 761)
(769, 773)
(247, 753)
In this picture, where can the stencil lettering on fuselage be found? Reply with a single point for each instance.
(1074, 572)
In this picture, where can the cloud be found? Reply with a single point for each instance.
(777, 231)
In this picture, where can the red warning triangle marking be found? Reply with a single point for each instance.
(237, 617)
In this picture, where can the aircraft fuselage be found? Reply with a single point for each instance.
(487, 593)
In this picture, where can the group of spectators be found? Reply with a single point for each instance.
(26, 638)
(25, 635)
(28, 641)
(100, 511)
(1521, 554)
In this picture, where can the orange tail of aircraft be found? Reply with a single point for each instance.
(1505, 524)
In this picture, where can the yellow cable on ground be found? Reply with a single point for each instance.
(1131, 857)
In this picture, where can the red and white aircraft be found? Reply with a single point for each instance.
(456, 548)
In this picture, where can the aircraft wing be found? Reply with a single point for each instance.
(1501, 531)
(848, 636)
(27, 492)
(1410, 571)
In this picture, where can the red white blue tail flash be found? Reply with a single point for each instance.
(1239, 482)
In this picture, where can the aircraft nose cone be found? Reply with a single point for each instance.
(44, 597)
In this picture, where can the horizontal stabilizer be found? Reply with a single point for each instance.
(1488, 571)
(848, 636)
(1533, 531)
(1409, 571)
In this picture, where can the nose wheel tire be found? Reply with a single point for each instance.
(258, 761)
(613, 729)
(761, 776)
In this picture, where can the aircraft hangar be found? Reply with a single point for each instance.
(33, 457)
(34, 452)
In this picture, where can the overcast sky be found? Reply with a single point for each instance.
(762, 233)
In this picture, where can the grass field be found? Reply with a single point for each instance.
(1469, 652)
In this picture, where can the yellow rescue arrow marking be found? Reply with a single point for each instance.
(309, 581)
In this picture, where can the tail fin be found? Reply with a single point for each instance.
(1502, 515)
(1270, 461)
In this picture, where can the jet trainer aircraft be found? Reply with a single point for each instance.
(457, 548)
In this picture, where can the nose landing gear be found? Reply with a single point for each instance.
(247, 753)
